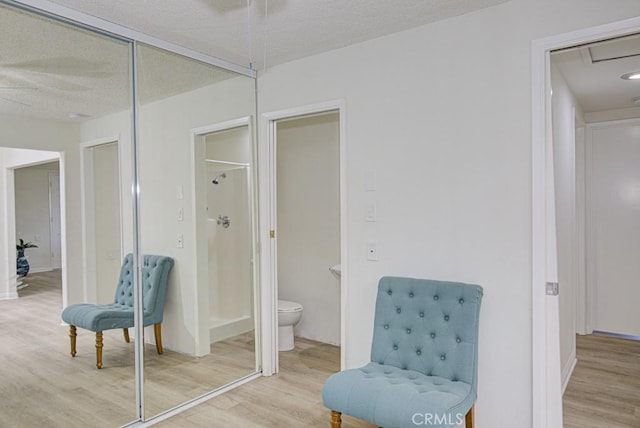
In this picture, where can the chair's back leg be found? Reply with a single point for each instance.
(125, 331)
(157, 331)
(468, 419)
(72, 336)
(99, 349)
(336, 419)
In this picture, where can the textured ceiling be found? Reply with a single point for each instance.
(49, 70)
(295, 28)
(593, 73)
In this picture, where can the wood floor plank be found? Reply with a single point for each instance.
(604, 390)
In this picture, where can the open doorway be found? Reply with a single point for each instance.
(304, 276)
(34, 211)
(566, 112)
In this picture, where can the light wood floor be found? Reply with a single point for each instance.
(291, 398)
(604, 390)
(41, 385)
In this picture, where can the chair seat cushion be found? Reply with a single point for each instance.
(383, 395)
(98, 317)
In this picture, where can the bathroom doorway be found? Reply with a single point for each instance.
(307, 230)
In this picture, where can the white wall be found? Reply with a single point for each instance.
(442, 113)
(27, 133)
(33, 212)
(308, 232)
(566, 110)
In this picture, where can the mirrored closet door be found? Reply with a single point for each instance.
(155, 191)
(196, 207)
(65, 181)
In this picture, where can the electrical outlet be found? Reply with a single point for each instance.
(180, 242)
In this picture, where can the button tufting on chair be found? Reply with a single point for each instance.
(119, 314)
(416, 373)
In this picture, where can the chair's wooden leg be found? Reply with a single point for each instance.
(99, 349)
(336, 419)
(468, 420)
(157, 331)
(126, 335)
(72, 336)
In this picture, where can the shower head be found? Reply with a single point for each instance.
(217, 178)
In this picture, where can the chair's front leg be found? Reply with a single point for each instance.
(125, 331)
(72, 336)
(468, 419)
(336, 419)
(99, 349)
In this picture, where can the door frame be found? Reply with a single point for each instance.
(51, 219)
(542, 364)
(268, 222)
(87, 214)
(198, 136)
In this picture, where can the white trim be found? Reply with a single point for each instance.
(580, 230)
(192, 403)
(268, 222)
(65, 14)
(569, 372)
(541, 49)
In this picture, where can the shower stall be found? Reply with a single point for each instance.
(229, 247)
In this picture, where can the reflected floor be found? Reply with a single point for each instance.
(43, 386)
(173, 378)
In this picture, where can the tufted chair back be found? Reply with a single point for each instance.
(428, 326)
(155, 272)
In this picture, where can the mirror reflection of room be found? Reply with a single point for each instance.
(66, 111)
(68, 202)
(196, 149)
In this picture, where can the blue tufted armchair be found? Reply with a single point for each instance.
(424, 358)
(119, 314)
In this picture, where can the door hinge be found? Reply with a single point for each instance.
(272, 233)
(553, 289)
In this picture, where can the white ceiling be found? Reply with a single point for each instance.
(48, 70)
(295, 28)
(593, 73)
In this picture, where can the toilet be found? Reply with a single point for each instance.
(289, 314)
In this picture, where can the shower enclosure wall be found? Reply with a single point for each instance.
(229, 238)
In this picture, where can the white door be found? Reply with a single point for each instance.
(614, 250)
(54, 219)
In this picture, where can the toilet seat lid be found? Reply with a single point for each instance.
(287, 306)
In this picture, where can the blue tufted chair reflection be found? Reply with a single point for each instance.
(119, 314)
(423, 369)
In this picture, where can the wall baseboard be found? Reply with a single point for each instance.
(8, 295)
(569, 372)
(41, 269)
